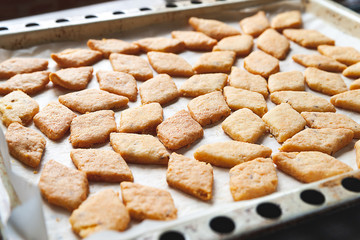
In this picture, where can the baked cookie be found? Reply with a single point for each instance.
(331, 120)
(286, 81)
(109, 46)
(133, 65)
(355, 85)
(288, 19)
(215, 62)
(273, 43)
(326, 140)
(240, 78)
(91, 100)
(244, 125)
(139, 148)
(201, 84)
(142, 119)
(357, 150)
(324, 82)
(238, 98)
(161, 44)
(319, 61)
(352, 71)
(144, 202)
(190, 176)
(25, 144)
(29, 83)
(63, 186)
(345, 55)
(302, 101)
(253, 179)
(170, 63)
(101, 165)
(196, 41)
(349, 100)
(179, 130)
(17, 106)
(241, 45)
(284, 122)
(209, 108)
(213, 28)
(103, 211)
(92, 128)
(255, 25)
(54, 120)
(309, 166)
(160, 89)
(118, 83)
(13, 66)
(72, 78)
(261, 63)
(308, 38)
(231, 153)
(76, 57)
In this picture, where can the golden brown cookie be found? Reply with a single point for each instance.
(308, 38)
(161, 44)
(357, 150)
(255, 24)
(319, 61)
(273, 43)
(196, 41)
(72, 78)
(13, 66)
(349, 100)
(241, 45)
(286, 81)
(345, 55)
(213, 28)
(109, 46)
(288, 19)
(261, 63)
(352, 71)
(215, 62)
(355, 84)
(76, 57)
(201, 84)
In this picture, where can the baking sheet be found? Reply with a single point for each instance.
(56, 218)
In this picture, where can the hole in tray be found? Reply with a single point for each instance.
(61, 20)
(269, 210)
(171, 5)
(196, 2)
(118, 13)
(3, 28)
(313, 197)
(90, 16)
(352, 184)
(32, 25)
(222, 224)
(145, 9)
(172, 235)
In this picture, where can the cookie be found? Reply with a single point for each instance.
(209, 108)
(309, 166)
(231, 153)
(118, 83)
(92, 128)
(238, 98)
(215, 62)
(190, 176)
(352, 71)
(302, 101)
(255, 24)
(101, 165)
(179, 130)
(17, 106)
(324, 82)
(91, 100)
(54, 120)
(161, 44)
(240, 78)
(261, 63)
(241, 45)
(286, 81)
(308, 38)
(76, 57)
(253, 179)
(349, 100)
(160, 89)
(331, 120)
(244, 125)
(25, 144)
(345, 55)
(109, 46)
(284, 122)
(103, 211)
(273, 43)
(201, 84)
(170, 63)
(72, 78)
(288, 19)
(133, 65)
(213, 28)
(355, 85)
(195, 41)
(13, 66)
(29, 83)
(139, 148)
(142, 119)
(63, 186)
(326, 140)
(357, 150)
(319, 61)
(144, 202)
